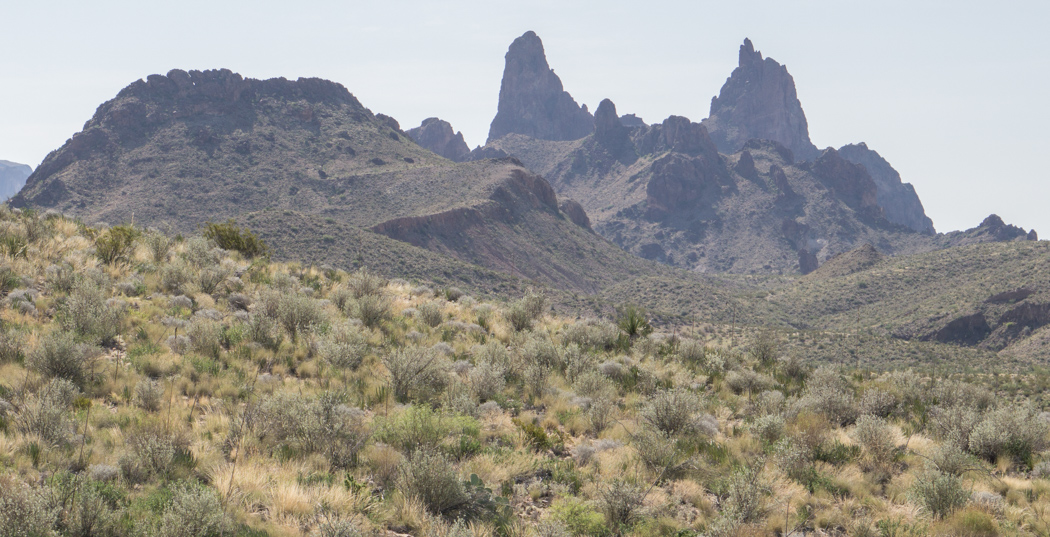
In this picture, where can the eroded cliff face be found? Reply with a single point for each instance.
(759, 100)
(437, 135)
(531, 98)
(897, 198)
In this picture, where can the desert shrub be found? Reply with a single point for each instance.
(174, 277)
(594, 384)
(938, 493)
(691, 351)
(950, 459)
(743, 494)
(205, 337)
(58, 355)
(87, 313)
(420, 427)
(416, 373)
(265, 331)
(541, 350)
(133, 285)
(116, 244)
(953, 423)
(767, 402)
(344, 346)
(231, 237)
(770, 428)
(660, 453)
(430, 313)
(877, 402)
(535, 379)
(151, 452)
(148, 395)
(578, 362)
(12, 344)
(764, 349)
(158, 244)
(25, 511)
(958, 393)
(828, 393)
(200, 253)
(372, 310)
(518, 317)
(620, 501)
(579, 517)
(1017, 432)
(324, 424)
(591, 334)
(209, 278)
(876, 438)
(747, 381)
(298, 314)
(792, 457)
(364, 283)
(429, 476)
(46, 413)
(59, 278)
(601, 413)
(534, 303)
(193, 511)
(672, 411)
(487, 380)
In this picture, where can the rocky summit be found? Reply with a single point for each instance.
(12, 178)
(531, 98)
(437, 135)
(759, 101)
(897, 198)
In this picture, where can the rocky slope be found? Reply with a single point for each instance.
(12, 178)
(758, 100)
(437, 136)
(531, 98)
(897, 198)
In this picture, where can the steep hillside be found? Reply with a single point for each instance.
(12, 178)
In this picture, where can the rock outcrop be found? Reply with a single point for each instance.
(437, 135)
(531, 98)
(610, 132)
(759, 101)
(850, 182)
(12, 178)
(898, 199)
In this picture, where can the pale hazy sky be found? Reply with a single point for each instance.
(953, 94)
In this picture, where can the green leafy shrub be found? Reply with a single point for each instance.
(229, 236)
(633, 322)
(429, 476)
(579, 517)
(343, 346)
(116, 244)
(88, 314)
(430, 313)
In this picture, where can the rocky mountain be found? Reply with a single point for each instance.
(531, 98)
(897, 198)
(12, 178)
(758, 100)
(317, 174)
(437, 136)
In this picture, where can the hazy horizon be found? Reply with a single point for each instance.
(948, 93)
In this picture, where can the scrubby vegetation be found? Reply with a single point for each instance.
(157, 385)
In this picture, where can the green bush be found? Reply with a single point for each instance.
(296, 424)
(46, 413)
(429, 476)
(343, 346)
(11, 345)
(116, 244)
(1017, 432)
(672, 411)
(876, 438)
(430, 313)
(372, 310)
(87, 313)
(229, 236)
(633, 322)
(579, 517)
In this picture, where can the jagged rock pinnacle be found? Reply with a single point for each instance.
(437, 135)
(531, 98)
(759, 100)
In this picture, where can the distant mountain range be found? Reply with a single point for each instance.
(716, 219)
(12, 178)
